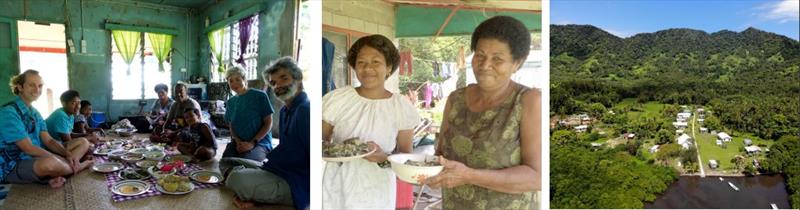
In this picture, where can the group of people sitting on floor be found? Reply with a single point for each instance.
(35, 150)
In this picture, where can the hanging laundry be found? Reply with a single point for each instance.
(428, 95)
(406, 60)
(328, 49)
(436, 68)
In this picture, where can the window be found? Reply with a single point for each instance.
(129, 86)
(231, 51)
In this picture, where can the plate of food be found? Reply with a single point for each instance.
(208, 177)
(347, 150)
(131, 158)
(102, 151)
(138, 151)
(117, 154)
(134, 173)
(413, 168)
(107, 167)
(146, 163)
(130, 187)
(174, 185)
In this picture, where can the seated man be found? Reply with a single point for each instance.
(21, 129)
(82, 120)
(59, 126)
(284, 178)
(196, 139)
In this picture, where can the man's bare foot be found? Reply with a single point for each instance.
(84, 165)
(57, 182)
(241, 204)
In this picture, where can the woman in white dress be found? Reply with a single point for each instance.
(373, 114)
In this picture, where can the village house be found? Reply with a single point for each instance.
(724, 136)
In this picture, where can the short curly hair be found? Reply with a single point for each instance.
(161, 86)
(69, 95)
(380, 43)
(506, 29)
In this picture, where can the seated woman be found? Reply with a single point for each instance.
(82, 120)
(158, 114)
(196, 139)
(491, 132)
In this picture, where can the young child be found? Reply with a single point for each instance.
(196, 139)
(82, 119)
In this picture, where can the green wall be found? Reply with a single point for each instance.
(275, 29)
(89, 72)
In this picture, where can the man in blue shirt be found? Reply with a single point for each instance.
(59, 126)
(284, 178)
(249, 115)
(21, 129)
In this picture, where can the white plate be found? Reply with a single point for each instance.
(214, 177)
(146, 164)
(345, 159)
(162, 190)
(102, 151)
(107, 167)
(141, 186)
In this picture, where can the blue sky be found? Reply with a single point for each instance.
(626, 18)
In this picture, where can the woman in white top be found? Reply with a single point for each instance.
(373, 114)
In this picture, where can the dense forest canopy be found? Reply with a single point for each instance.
(749, 79)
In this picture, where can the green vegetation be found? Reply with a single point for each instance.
(750, 80)
(604, 179)
(784, 156)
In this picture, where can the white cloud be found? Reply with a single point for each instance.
(782, 11)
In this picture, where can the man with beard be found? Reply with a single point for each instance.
(21, 130)
(284, 178)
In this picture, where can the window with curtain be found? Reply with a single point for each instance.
(229, 45)
(128, 86)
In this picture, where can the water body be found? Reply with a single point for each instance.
(695, 192)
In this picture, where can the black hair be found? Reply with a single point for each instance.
(69, 95)
(194, 110)
(161, 86)
(380, 43)
(85, 103)
(506, 29)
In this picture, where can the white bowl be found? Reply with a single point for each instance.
(158, 174)
(412, 174)
(132, 158)
(155, 155)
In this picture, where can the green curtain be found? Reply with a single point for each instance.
(128, 44)
(215, 41)
(162, 44)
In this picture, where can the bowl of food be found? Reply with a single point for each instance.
(413, 168)
(174, 185)
(346, 150)
(145, 164)
(138, 151)
(159, 172)
(134, 173)
(155, 155)
(125, 132)
(117, 154)
(132, 158)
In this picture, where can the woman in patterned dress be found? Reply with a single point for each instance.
(490, 138)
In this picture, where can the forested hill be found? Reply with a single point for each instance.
(752, 71)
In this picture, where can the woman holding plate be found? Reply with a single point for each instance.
(383, 119)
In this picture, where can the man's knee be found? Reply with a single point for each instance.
(51, 166)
